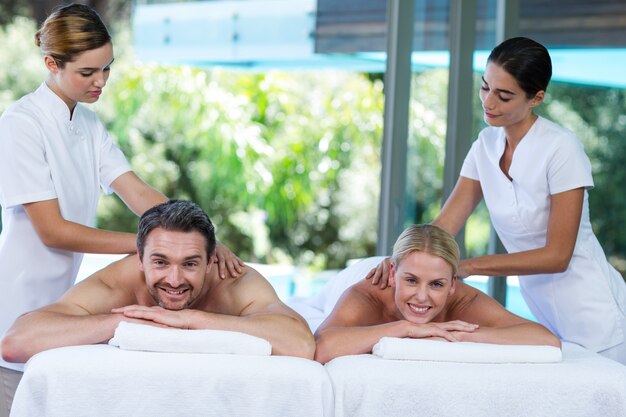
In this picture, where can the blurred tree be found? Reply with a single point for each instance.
(267, 155)
(110, 10)
(10, 9)
(288, 164)
(21, 65)
(598, 116)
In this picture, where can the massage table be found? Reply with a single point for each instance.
(102, 380)
(583, 384)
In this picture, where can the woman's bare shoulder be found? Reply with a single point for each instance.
(464, 298)
(372, 292)
(377, 302)
(474, 306)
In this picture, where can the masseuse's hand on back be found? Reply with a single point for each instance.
(380, 274)
(227, 262)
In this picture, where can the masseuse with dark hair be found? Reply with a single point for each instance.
(534, 176)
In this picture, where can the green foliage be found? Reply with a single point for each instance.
(427, 134)
(598, 116)
(288, 164)
(426, 145)
(21, 67)
(267, 155)
(21, 64)
(9, 9)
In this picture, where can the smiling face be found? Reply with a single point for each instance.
(505, 104)
(82, 79)
(423, 282)
(175, 265)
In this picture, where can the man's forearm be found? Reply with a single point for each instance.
(42, 330)
(289, 336)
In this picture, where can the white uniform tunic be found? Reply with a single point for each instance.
(586, 304)
(44, 155)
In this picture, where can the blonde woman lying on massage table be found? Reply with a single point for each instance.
(424, 300)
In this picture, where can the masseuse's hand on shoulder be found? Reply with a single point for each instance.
(380, 274)
(463, 269)
(228, 264)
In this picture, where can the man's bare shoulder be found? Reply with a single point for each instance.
(121, 274)
(233, 296)
(116, 285)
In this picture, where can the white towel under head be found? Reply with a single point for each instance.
(434, 350)
(133, 336)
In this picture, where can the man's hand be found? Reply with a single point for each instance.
(380, 274)
(157, 316)
(227, 262)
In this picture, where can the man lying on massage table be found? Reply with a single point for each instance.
(170, 283)
(424, 300)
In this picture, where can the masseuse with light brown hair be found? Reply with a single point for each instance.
(55, 156)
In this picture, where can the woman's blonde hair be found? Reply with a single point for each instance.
(69, 31)
(429, 239)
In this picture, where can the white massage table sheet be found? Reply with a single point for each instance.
(584, 384)
(102, 380)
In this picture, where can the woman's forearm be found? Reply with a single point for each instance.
(75, 237)
(58, 233)
(519, 334)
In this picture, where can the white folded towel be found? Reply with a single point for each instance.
(434, 350)
(133, 336)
